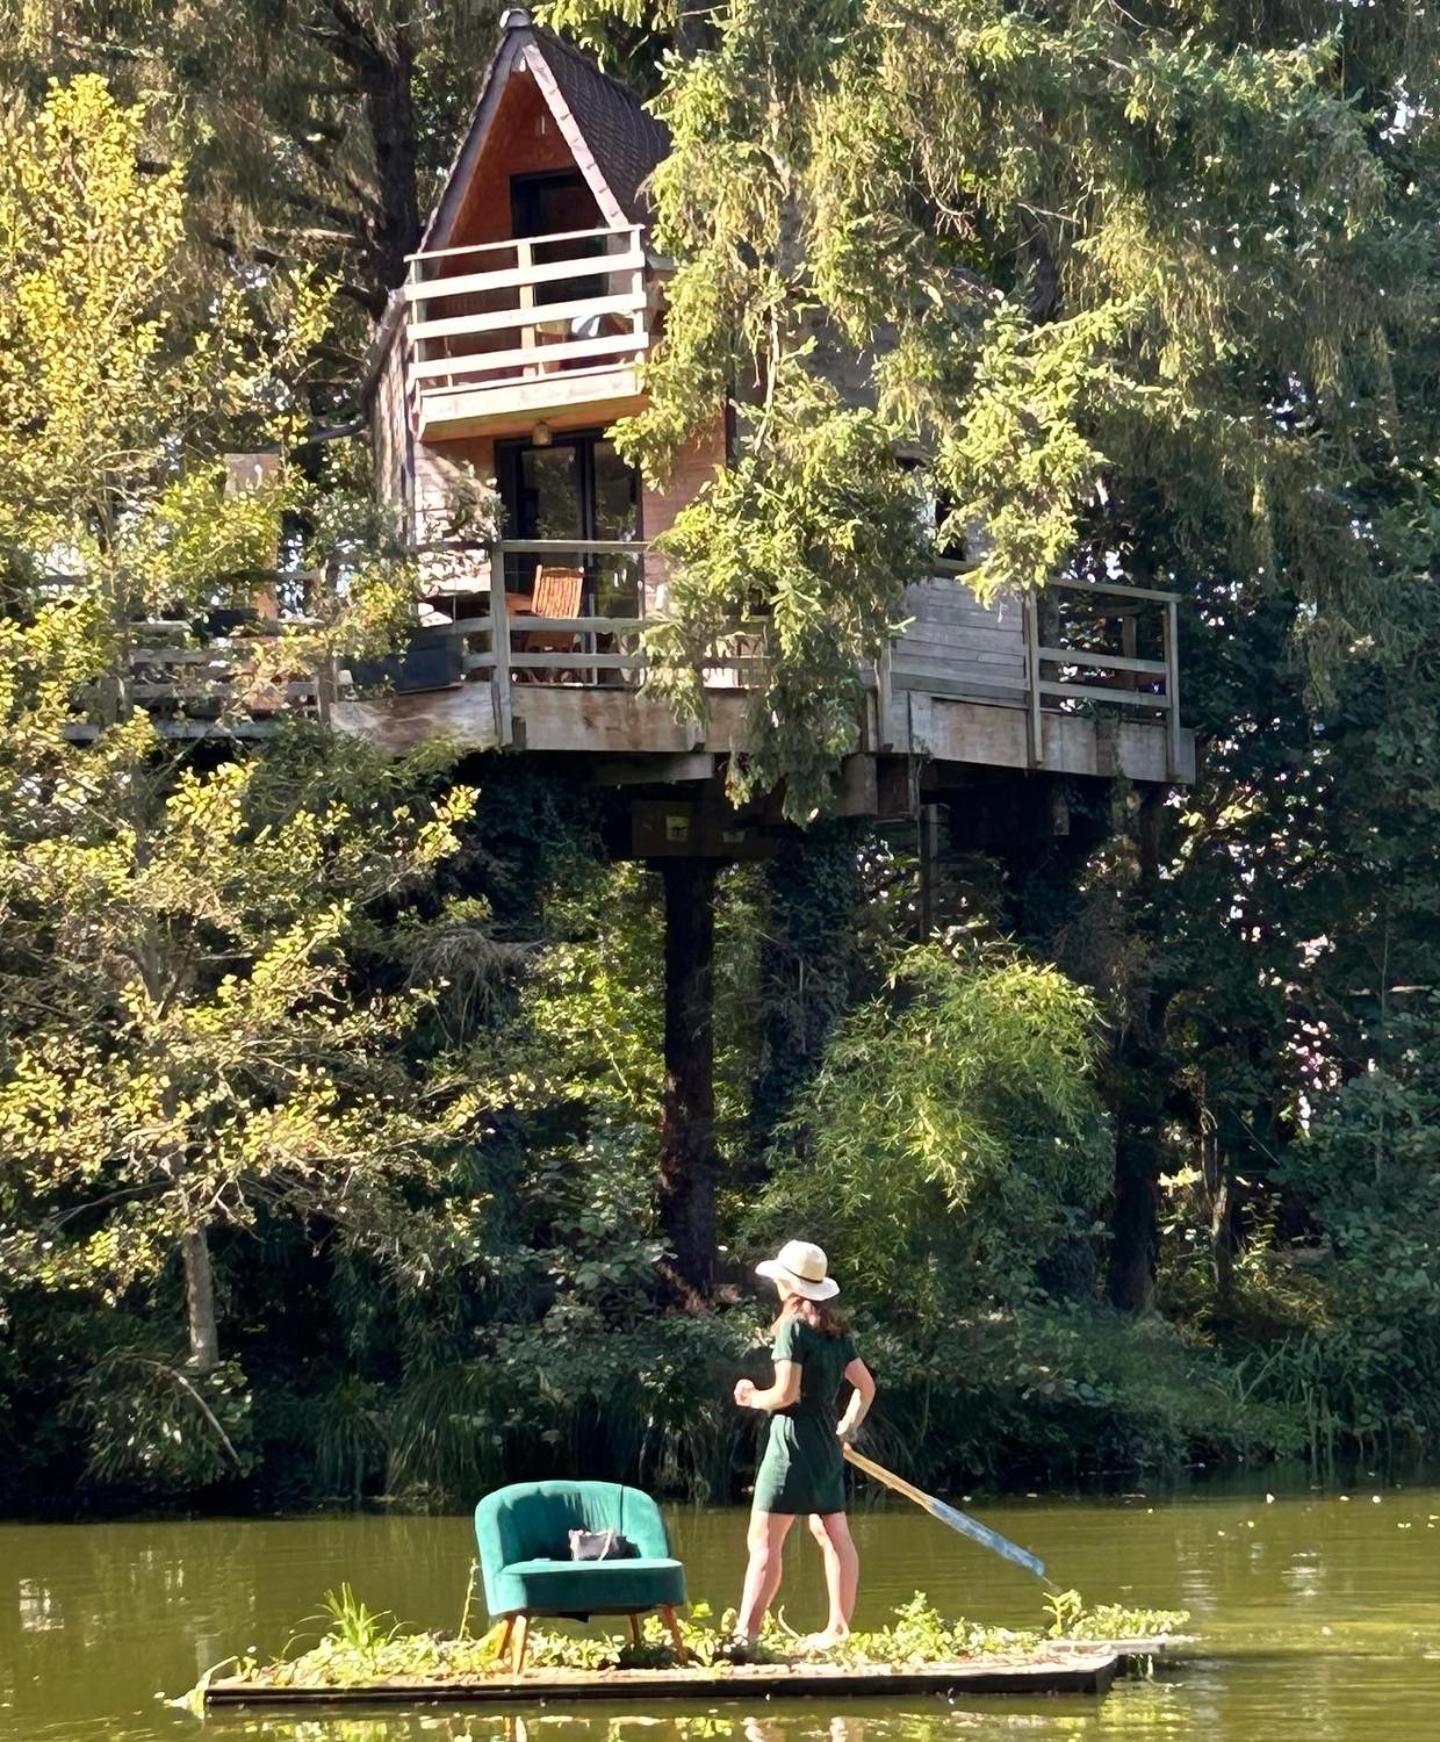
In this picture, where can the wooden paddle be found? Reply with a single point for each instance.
(957, 1520)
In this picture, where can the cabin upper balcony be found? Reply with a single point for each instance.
(548, 329)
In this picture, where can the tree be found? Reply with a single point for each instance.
(314, 131)
(184, 1047)
(185, 1043)
(1133, 286)
(951, 1122)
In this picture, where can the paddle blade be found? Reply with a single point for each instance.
(987, 1538)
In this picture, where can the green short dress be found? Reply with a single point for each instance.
(803, 1469)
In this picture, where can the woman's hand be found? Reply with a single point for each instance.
(846, 1432)
(745, 1393)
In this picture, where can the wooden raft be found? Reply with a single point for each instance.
(1089, 1672)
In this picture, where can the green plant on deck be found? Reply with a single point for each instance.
(359, 1648)
(356, 1626)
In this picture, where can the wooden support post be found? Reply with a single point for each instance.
(927, 838)
(1035, 741)
(688, 1162)
(883, 671)
(1172, 689)
(500, 647)
(325, 688)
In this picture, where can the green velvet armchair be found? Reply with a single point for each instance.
(523, 1533)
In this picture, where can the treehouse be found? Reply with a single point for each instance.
(516, 341)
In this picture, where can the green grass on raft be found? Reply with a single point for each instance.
(363, 1646)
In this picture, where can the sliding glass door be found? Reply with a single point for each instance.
(577, 489)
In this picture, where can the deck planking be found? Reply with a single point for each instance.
(1080, 1672)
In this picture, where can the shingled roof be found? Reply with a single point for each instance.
(615, 143)
(627, 142)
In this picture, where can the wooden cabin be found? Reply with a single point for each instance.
(516, 341)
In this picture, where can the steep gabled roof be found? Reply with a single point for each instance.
(614, 142)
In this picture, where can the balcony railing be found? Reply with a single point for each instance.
(522, 322)
(1080, 648)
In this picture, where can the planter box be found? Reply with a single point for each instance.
(434, 660)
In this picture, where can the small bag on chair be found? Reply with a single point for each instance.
(601, 1545)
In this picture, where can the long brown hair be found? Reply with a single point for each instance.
(828, 1320)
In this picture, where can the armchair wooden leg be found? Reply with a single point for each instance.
(636, 1635)
(505, 1636)
(672, 1622)
(521, 1640)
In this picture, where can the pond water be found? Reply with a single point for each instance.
(1317, 1616)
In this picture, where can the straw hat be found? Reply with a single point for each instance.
(801, 1266)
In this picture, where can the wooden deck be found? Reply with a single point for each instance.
(1088, 1672)
(1094, 692)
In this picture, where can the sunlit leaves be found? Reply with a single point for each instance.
(961, 1097)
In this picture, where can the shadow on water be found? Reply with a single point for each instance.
(1316, 1615)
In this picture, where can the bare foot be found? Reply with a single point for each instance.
(826, 1641)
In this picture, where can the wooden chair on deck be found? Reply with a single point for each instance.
(558, 593)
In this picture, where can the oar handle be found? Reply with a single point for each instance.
(887, 1477)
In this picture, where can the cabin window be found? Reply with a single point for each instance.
(575, 489)
(551, 203)
(557, 203)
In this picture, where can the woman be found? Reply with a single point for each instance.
(803, 1470)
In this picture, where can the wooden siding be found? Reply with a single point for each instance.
(696, 464)
(950, 636)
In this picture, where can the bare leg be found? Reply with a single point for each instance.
(766, 1542)
(831, 1531)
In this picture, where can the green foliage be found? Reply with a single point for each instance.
(310, 142)
(148, 1422)
(797, 557)
(378, 1067)
(1050, 1391)
(1138, 289)
(1366, 1371)
(358, 1650)
(952, 1120)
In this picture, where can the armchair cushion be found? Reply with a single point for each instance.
(546, 1587)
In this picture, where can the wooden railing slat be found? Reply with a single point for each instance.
(472, 362)
(425, 290)
(540, 314)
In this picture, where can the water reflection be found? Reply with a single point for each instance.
(1318, 1618)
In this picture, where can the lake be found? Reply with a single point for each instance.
(1317, 1616)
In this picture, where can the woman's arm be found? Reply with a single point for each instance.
(861, 1398)
(780, 1395)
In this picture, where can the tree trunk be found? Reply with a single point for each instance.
(383, 66)
(390, 111)
(1215, 1179)
(1135, 1220)
(807, 966)
(688, 1162)
(200, 1302)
